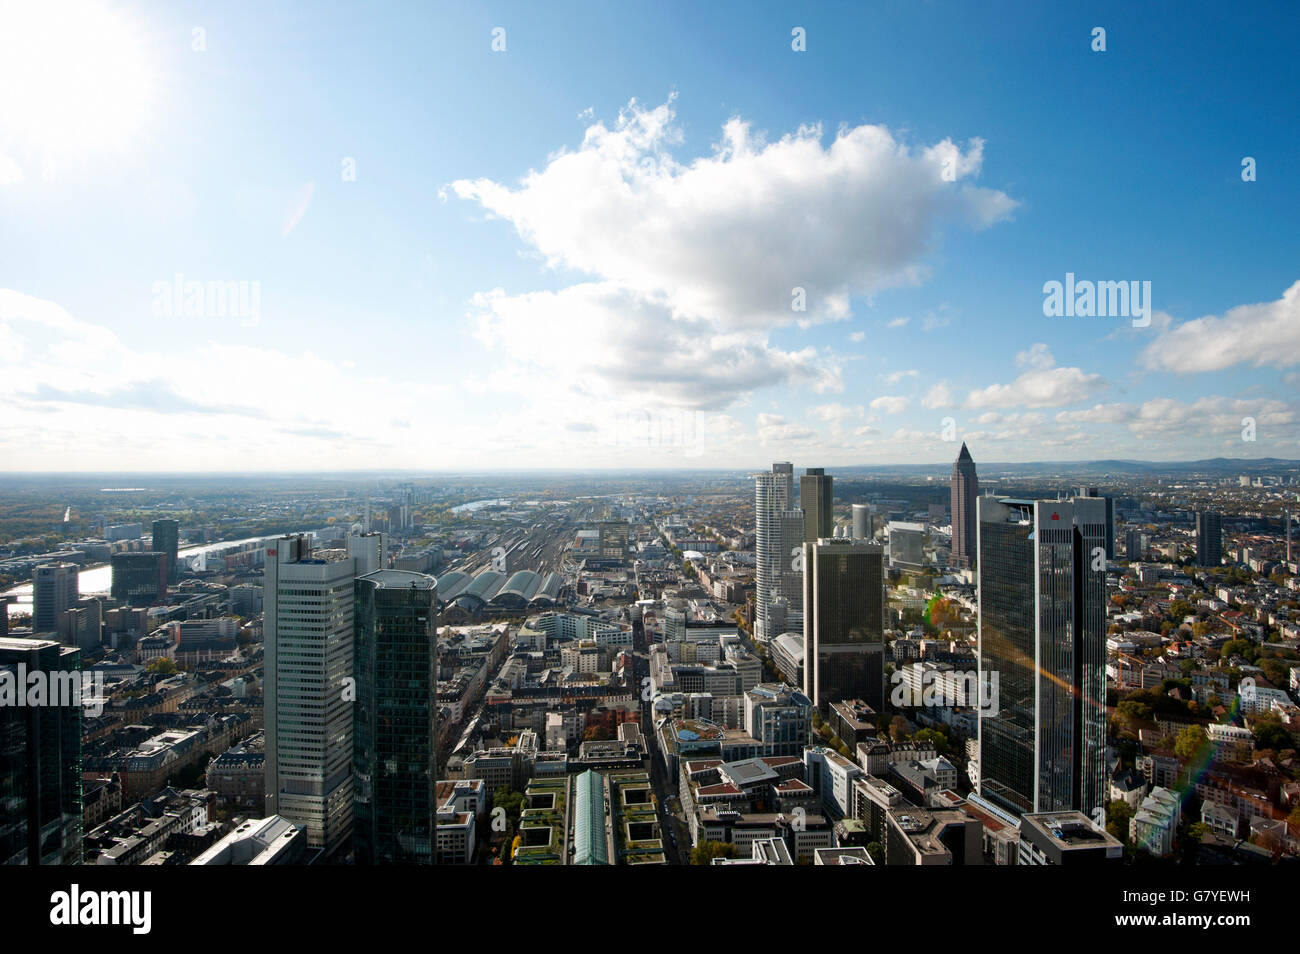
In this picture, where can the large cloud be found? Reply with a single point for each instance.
(1262, 334)
(727, 237)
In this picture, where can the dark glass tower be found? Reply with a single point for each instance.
(1042, 637)
(817, 500)
(844, 615)
(40, 756)
(166, 540)
(1209, 539)
(395, 754)
(965, 491)
(139, 578)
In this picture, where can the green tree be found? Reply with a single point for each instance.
(706, 851)
(1189, 741)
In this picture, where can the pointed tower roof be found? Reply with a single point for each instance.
(965, 454)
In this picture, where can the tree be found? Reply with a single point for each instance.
(1118, 815)
(898, 728)
(163, 666)
(1272, 735)
(1188, 742)
(706, 851)
(877, 852)
(511, 801)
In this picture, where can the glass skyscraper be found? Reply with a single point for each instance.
(395, 737)
(40, 756)
(1042, 642)
(844, 615)
(166, 540)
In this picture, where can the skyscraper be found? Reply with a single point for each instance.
(861, 521)
(817, 499)
(307, 701)
(166, 540)
(1209, 538)
(54, 590)
(1110, 518)
(1042, 637)
(1134, 545)
(139, 578)
(844, 619)
(393, 718)
(40, 756)
(778, 537)
(965, 491)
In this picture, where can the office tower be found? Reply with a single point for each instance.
(396, 650)
(82, 624)
(140, 578)
(844, 620)
(40, 755)
(370, 550)
(307, 699)
(1209, 538)
(166, 540)
(1042, 636)
(906, 545)
(1134, 545)
(1110, 518)
(965, 491)
(54, 589)
(5, 602)
(861, 521)
(778, 535)
(817, 500)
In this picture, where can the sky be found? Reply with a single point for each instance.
(317, 236)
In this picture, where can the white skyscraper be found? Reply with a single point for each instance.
(54, 590)
(778, 541)
(307, 706)
(370, 550)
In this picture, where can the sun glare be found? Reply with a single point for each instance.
(77, 78)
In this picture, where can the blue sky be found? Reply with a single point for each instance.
(581, 250)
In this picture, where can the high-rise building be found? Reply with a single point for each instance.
(54, 590)
(844, 620)
(778, 539)
(861, 521)
(1110, 518)
(40, 756)
(139, 578)
(1042, 654)
(1134, 545)
(817, 500)
(370, 550)
(166, 540)
(906, 544)
(965, 491)
(1209, 538)
(307, 699)
(396, 651)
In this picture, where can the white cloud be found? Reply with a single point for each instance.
(900, 322)
(897, 376)
(726, 237)
(889, 404)
(1043, 385)
(1261, 334)
(939, 396)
